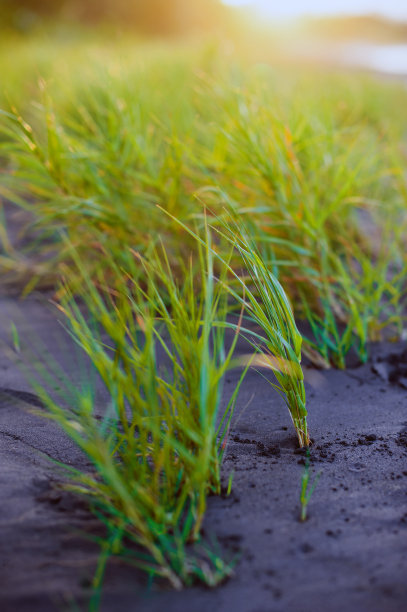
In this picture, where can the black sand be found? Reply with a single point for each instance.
(351, 554)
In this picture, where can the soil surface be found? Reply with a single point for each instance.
(351, 553)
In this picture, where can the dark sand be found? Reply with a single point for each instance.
(350, 555)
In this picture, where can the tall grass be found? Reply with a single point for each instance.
(262, 297)
(158, 346)
(311, 164)
(268, 307)
(156, 449)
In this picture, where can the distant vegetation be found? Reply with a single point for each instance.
(367, 28)
(148, 17)
(183, 17)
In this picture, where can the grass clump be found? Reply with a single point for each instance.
(266, 305)
(157, 442)
(280, 349)
(156, 448)
(322, 211)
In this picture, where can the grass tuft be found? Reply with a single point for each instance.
(157, 445)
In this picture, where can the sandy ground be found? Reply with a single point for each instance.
(351, 554)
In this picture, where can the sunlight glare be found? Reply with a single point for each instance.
(393, 9)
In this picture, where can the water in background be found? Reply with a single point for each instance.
(390, 59)
(384, 58)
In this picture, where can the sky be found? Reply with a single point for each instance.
(395, 9)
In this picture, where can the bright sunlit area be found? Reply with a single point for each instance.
(203, 306)
(292, 9)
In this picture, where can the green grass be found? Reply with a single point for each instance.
(302, 159)
(157, 448)
(173, 185)
(267, 306)
(262, 297)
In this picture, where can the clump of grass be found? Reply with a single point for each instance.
(157, 448)
(264, 300)
(322, 211)
(267, 305)
(158, 346)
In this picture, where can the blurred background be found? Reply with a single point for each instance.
(362, 33)
(110, 107)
